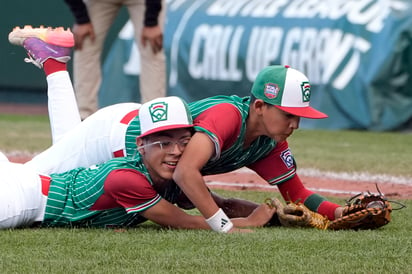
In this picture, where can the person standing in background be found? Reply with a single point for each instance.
(93, 19)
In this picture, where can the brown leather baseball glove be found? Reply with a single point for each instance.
(364, 211)
(297, 215)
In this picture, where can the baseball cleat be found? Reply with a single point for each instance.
(43, 43)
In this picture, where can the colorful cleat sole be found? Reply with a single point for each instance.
(54, 36)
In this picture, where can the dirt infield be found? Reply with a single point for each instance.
(28, 109)
(244, 179)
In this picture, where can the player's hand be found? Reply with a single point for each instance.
(338, 212)
(261, 215)
(154, 37)
(80, 32)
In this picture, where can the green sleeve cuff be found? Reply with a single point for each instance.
(313, 201)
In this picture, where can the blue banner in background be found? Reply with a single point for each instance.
(356, 53)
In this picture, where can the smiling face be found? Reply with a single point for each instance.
(161, 151)
(278, 124)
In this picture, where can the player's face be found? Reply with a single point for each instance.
(161, 152)
(278, 124)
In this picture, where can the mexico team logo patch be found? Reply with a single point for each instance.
(287, 158)
(305, 86)
(158, 112)
(271, 90)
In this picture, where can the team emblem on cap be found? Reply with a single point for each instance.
(305, 86)
(271, 90)
(158, 111)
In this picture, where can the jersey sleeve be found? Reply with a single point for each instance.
(130, 189)
(79, 11)
(278, 166)
(221, 123)
(152, 11)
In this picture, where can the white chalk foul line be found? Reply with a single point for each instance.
(353, 176)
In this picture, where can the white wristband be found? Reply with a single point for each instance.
(219, 222)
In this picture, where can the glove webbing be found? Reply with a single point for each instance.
(354, 218)
(349, 209)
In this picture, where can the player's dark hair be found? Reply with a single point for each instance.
(253, 99)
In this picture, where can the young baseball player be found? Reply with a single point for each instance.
(231, 132)
(234, 132)
(123, 192)
(83, 144)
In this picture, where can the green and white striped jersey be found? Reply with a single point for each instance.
(73, 193)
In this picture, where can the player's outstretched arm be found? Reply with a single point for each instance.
(169, 215)
(234, 207)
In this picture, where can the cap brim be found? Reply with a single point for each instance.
(158, 129)
(306, 112)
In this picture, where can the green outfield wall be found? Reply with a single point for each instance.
(356, 53)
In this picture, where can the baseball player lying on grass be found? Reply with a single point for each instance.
(62, 102)
(231, 132)
(122, 192)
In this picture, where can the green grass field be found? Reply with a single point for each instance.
(150, 249)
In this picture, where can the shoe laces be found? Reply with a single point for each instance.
(37, 62)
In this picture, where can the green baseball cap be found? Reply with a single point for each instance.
(287, 89)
